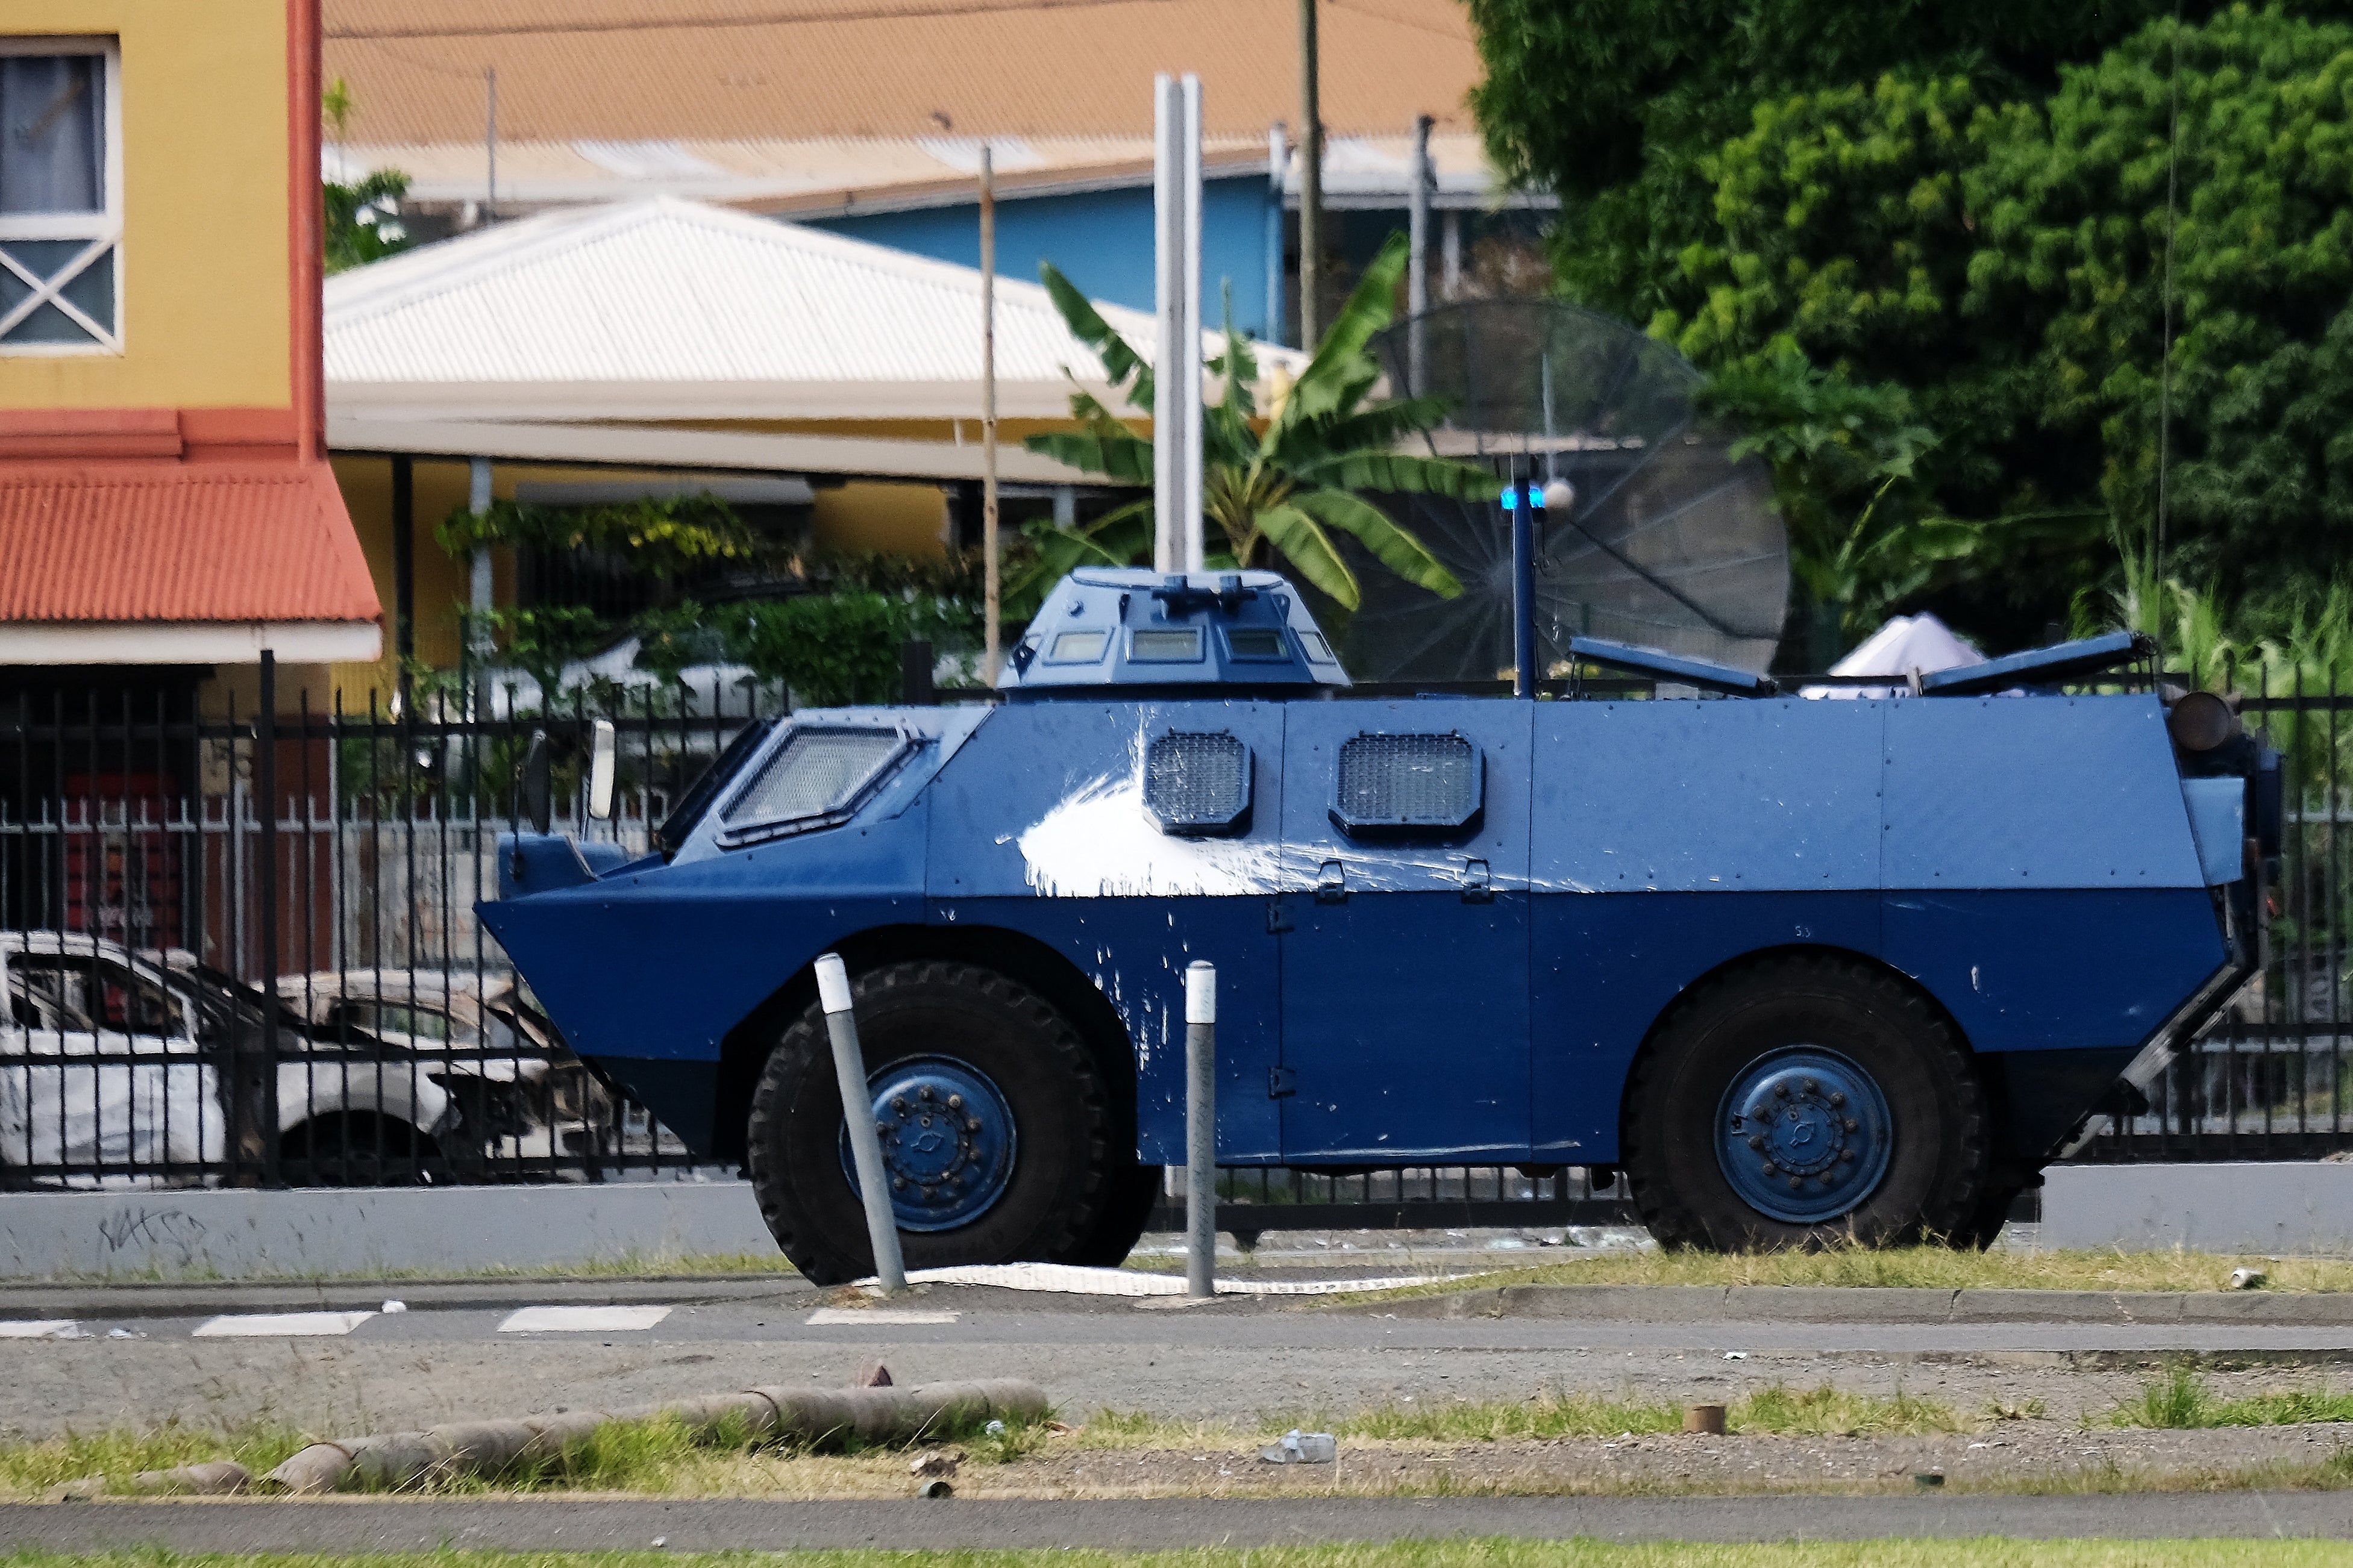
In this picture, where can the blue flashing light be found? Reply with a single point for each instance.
(1511, 498)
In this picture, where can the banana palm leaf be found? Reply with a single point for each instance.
(1392, 546)
(1122, 363)
(1311, 552)
(1398, 472)
(1340, 358)
(1123, 457)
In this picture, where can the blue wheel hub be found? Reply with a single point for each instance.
(1803, 1134)
(947, 1141)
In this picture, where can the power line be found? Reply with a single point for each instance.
(732, 20)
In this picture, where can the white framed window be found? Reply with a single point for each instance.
(60, 195)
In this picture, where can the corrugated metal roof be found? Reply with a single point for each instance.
(837, 175)
(179, 542)
(729, 69)
(667, 308)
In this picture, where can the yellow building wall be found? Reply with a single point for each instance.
(204, 253)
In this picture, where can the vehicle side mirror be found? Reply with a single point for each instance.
(600, 769)
(536, 806)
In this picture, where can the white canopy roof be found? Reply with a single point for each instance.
(668, 309)
(1906, 643)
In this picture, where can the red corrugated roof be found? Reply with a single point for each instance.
(194, 542)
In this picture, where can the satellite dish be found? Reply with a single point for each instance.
(1663, 540)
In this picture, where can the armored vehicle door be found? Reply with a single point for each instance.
(1405, 939)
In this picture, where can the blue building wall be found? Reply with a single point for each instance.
(1102, 240)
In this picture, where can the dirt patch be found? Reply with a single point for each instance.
(2038, 1455)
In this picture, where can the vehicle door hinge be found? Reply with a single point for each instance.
(1278, 919)
(1332, 883)
(1476, 890)
(1282, 1083)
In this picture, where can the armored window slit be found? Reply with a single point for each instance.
(1197, 786)
(1412, 785)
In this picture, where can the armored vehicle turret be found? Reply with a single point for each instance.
(1800, 968)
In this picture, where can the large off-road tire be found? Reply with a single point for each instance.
(1133, 1190)
(997, 1127)
(1873, 1127)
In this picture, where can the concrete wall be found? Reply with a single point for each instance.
(245, 1235)
(2246, 1207)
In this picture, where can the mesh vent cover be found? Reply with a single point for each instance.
(1195, 786)
(1409, 785)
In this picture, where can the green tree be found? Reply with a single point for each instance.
(2074, 195)
(660, 535)
(1277, 491)
(363, 217)
(827, 649)
(541, 642)
(1615, 103)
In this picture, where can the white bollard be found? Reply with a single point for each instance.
(858, 1110)
(1201, 1131)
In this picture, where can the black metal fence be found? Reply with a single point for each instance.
(240, 947)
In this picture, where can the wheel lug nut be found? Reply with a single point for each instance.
(972, 1124)
(1845, 1155)
(1837, 1098)
(1852, 1124)
(898, 1184)
(1780, 1091)
(1770, 1167)
(924, 1092)
(899, 1103)
(1758, 1144)
(1796, 1183)
(1805, 1086)
(955, 1102)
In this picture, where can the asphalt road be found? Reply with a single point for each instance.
(539, 1524)
(337, 1365)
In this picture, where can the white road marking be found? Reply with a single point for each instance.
(581, 1320)
(267, 1325)
(40, 1329)
(878, 1315)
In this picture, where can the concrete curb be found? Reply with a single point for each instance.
(1866, 1304)
(244, 1233)
(492, 1293)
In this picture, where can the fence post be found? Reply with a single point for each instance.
(265, 792)
(858, 1112)
(1201, 1131)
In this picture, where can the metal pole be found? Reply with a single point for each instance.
(1189, 150)
(991, 618)
(404, 576)
(1167, 247)
(1417, 278)
(1177, 371)
(858, 1112)
(265, 791)
(1278, 154)
(1523, 581)
(1311, 180)
(1201, 1131)
(480, 592)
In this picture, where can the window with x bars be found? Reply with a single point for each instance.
(61, 211)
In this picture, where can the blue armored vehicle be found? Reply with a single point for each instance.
(1798, 968)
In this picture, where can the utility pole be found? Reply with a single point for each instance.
(1417, 278)
(490, 145)
(1310, 182)
(990, 613)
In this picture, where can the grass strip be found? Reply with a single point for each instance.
(1494, 1552)
(1900, 1267)
(2183, 1400)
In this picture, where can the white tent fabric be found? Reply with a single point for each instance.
(1906, 643)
